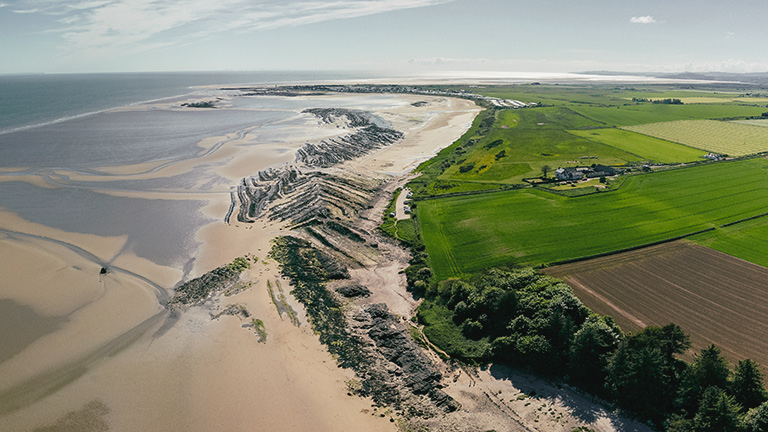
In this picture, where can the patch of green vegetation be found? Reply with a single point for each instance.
(744, 240)
(234, 310)
(259, 329)
(702, 111)
(308, 270)
(443, 332)
(239, 264)
(466, 234)
(645, 147)
(388, 224)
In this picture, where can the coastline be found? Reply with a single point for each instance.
(182, 362)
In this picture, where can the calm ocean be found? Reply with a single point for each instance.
(30, 100)
(55, 123)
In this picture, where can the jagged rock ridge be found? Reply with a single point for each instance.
(315, 189)
(368, 136)
(302, 196)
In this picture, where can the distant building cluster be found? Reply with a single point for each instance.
(578, 173)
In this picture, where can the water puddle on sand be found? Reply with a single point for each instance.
(20, 326)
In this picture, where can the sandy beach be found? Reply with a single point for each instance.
(100, 352)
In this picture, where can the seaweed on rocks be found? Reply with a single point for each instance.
(308, 269)
(220, 279)
(354, 291)
(392, 368)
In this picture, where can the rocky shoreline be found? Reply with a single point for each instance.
(392, 369)
(315, 189)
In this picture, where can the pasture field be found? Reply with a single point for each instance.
(533, 227)
(729, 138)
(746, 240)
(643, 146)
(639, 114)
(538, 137)
(701, 111)
(713, 297)
(575, 128)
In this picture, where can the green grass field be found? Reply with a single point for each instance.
(466, 234)
(730, 138)
(576, 128)
(539, 137)
(639, 114)
(642, 146)
(745, 240)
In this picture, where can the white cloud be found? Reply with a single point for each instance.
(2, 5)
(647, 19)
(143, 24)
(26, 11)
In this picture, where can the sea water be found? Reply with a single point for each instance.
(51, 124)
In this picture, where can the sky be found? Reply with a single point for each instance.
(400, 36)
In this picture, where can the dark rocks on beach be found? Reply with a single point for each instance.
(371, 133)
(311, 195)
(395, 344)
(353, 291)
(393, 370)
(335, 150)
(198, 289)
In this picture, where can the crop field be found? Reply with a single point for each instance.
(534, 227)
(746, 240)
(713, 297)
(645, 147)
(716, 136)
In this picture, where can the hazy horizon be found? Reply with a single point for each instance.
(382, 36)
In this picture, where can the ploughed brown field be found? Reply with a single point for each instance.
(716, 298)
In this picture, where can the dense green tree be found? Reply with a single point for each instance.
(756, 419)
(678, 423)
(590, 350)
(637, 381)
(643, 374)
(747, 385)
(545, 169)
(709, 369)
(718, 412)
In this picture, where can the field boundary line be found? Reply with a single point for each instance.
(629, 249)
(744, 220)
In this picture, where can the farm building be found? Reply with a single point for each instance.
(602, 171)
(568, 174)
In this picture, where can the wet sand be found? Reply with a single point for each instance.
(107, 338)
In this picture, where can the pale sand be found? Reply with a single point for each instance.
(198, 374)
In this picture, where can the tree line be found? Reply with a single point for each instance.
(523, 318)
